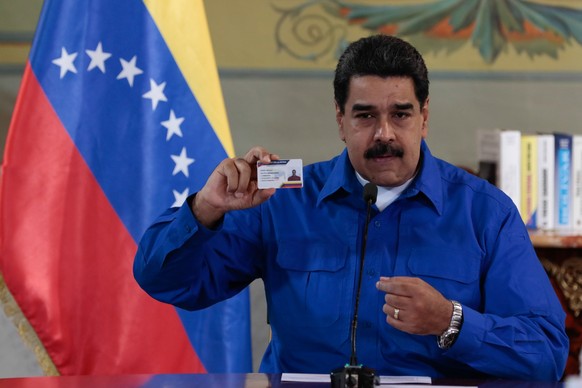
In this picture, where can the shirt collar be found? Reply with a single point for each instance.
(428, 180)
(342, 176)
(386, 195)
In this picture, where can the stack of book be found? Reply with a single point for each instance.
(541, 173)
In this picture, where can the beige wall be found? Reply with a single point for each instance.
(294, 117)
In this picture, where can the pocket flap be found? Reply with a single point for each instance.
(312, 256)
(445, 263)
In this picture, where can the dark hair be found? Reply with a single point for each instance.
(384, 56)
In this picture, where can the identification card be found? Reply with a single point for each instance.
(280, 174)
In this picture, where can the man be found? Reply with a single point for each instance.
(294, 177)
(451, 284)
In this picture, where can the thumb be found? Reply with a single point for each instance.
(263, 195)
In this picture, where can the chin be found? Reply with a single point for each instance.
(388, 179)
(386, 182)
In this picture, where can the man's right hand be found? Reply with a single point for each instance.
(232, 186)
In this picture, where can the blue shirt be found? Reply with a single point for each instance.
(451, 229)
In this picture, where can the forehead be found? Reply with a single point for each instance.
(374, 90)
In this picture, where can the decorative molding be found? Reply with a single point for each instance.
(568, 277)
(536, 29)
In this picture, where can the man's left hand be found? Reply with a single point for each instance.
(414, 306)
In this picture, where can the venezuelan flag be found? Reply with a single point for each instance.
(119, 116)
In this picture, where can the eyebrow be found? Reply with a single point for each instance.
(404, 106)
(367, 107)
(362, 107)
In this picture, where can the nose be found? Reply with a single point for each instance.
(384, 131)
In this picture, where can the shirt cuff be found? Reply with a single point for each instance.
(471, 336)
(187, 225)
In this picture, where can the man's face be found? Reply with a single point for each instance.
(382, 127)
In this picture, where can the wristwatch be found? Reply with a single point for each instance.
(448, 338)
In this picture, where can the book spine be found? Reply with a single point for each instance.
(563, 170)
(576, 181)
(488, 154)
(529, 180)
(510, 165)
(546, 178)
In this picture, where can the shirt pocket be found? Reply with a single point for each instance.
(312, 283)
(454, 272)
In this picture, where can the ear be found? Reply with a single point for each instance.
(425, 114)
(339, 118)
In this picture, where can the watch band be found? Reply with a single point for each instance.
(448, 338)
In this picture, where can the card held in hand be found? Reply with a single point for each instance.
(280, 174)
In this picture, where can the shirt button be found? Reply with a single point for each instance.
(188, 228)
(371, 272)
(377, 223)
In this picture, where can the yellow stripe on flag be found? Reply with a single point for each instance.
(184, 27)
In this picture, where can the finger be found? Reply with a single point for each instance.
(381, 285)
(394, 300)
(391, 305)
(263, 195)
(244, 177)
(396, 314)
(232, 172)
(390, 286)
(256, 154)
(393, 314)
(384, 283)
(403, 286)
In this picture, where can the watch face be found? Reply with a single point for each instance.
(448, 338)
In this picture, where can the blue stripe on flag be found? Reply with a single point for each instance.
(213, 321)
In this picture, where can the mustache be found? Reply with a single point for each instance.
(383, 149)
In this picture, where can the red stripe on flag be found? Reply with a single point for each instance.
(67, 258)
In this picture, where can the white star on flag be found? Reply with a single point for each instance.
(173, 125)
(180, 198)
(156, 93)
(130, 70)
(182, 162)
(98, 58)
(65, 62)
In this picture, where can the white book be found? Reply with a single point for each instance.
(577, 181)
(501, 148)
(546, 181)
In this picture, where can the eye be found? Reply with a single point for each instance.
(364, 116)
(401, 114)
